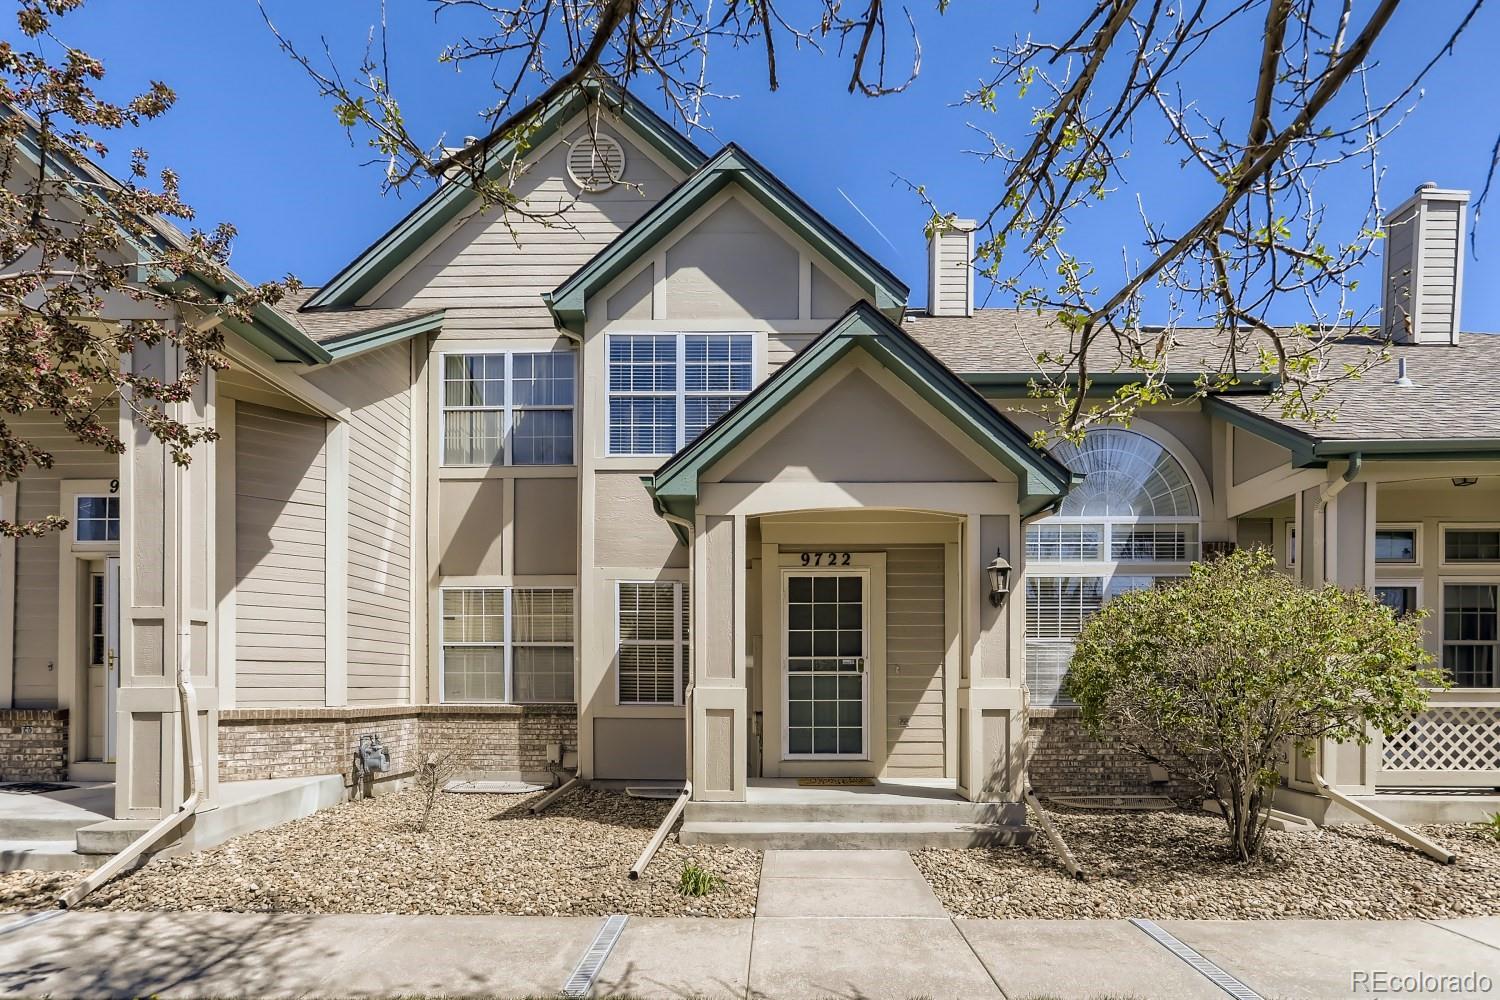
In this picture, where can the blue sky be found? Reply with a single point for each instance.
(256, 146)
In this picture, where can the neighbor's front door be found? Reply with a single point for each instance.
(827, 688)
(111, 653)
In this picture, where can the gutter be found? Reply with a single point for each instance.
(1351, 473)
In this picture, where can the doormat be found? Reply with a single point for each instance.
(33, 787)
(832, 782)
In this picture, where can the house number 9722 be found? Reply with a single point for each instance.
(825, 558)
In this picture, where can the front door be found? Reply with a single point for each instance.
(826, 655)
(111, 653)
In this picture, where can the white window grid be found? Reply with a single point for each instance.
(678, 641)
(1402, 583)
(507, 640)
(716, 399)
(1493, 644)
(1102, 534)
(111, 519)
(1446, 529)
(508, 408)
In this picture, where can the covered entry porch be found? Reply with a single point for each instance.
(843, 522)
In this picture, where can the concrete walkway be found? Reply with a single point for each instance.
(889, 951)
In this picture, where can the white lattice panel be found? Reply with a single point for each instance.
(1458, 741)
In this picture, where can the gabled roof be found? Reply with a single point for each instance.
(731, 165)
(453, 195)
(1041, 478)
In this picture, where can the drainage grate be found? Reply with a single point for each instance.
(583, 976)
(33, 787)
(1209, 970)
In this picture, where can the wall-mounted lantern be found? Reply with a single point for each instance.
(1465, 480)
(999, 575)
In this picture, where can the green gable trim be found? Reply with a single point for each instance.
(369, 340)
(1042, 479)
(731, 165)
(1311, 451)
(452, 197)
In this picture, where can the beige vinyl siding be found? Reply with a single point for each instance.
(280, 501)
(914, 660)
(780, 348)
(36, 643)
(490, 272)
(376, 387)
(1439, 266)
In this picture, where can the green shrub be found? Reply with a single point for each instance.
(1216, 676)
(697, 880)
(1492, 825)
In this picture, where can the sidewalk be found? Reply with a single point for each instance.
(837, 925)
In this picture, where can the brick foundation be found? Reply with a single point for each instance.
(1064, 758)
(294, 742)
(33, 744)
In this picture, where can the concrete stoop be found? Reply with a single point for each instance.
(854, 825)
(52, 834)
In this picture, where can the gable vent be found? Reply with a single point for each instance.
(596, 163)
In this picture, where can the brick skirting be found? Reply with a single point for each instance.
(295, 742)
(33, 744)
(1064, 758)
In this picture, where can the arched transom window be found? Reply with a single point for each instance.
(1132, 521)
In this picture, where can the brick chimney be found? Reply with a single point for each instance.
(1424, 266)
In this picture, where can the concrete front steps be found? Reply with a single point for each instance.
(889, 817)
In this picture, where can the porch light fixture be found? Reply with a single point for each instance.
(999, 573)
(1465, 480)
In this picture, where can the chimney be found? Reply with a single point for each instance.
(950, 271)
(1424, 266)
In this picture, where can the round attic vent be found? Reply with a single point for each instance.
(596, 162)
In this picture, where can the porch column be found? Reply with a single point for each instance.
(717, 703)
(991, 704)
(1341, 551)
(166, 583)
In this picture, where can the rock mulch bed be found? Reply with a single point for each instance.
(483, 854)
(1172, 865)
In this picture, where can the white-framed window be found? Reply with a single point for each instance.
(507, 645)
(1471, 632)
(1398, 544)
(508, 408)
(1404, 597)
(1470, 544)
(665, 389)
(1291, 543)
(1131, 522)
(96, 518)
(651, 629)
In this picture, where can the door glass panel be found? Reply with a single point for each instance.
(825, 665)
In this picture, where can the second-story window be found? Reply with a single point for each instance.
(508, 408)
(665, 389)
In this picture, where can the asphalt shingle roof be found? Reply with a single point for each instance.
(1450, 397)
(329, 325)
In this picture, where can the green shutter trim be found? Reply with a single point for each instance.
(452, 197)
(1041, 478)
(731, 165)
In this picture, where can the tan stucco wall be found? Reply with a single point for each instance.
(546, 527)
(1254, 455)
(708, 276)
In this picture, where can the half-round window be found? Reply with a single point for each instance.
(1133, 520)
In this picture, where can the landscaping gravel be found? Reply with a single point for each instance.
(1173, 865)
(483, 854)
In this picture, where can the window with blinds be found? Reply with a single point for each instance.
(1132, 522)
(665, 389)
(508, 408)
(652, 625)
(507, 645)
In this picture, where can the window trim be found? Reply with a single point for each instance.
(96, 544)
(1415, 528)
(1442, 624)
(507, 409)
(507, 644)
(1464, 564)
(1291, 543)
(679, 392)
(679, 642)
(1415, 583)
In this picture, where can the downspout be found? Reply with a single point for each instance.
(1401, 833)
(189, 699)
(1351, 473)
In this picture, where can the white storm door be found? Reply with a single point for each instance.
(825, 678)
